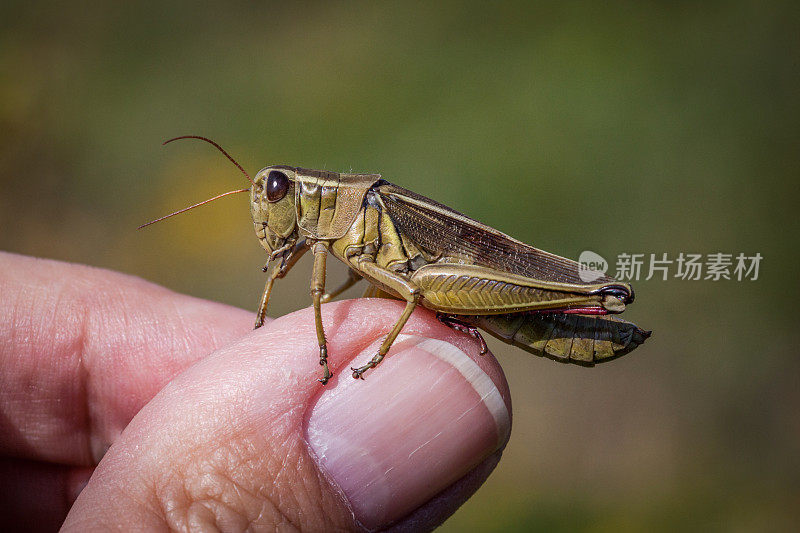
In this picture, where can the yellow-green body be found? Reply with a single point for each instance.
(414, 249)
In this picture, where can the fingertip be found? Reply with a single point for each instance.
(422, 420)
(351, 325)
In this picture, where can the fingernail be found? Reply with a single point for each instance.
(420, 421)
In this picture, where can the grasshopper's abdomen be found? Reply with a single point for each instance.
(569, 338)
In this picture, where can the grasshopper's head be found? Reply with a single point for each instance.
(271, 202)
(272, 207)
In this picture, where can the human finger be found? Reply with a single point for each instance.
(247, 438)
(82, 349)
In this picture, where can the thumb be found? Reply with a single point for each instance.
(247, 438)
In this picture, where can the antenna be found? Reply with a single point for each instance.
(193, 206)
(218, 148)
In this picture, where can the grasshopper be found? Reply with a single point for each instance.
(414, 249)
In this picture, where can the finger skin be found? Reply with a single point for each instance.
(83, 349)
(222, 444)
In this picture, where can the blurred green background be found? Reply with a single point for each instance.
(639, 127)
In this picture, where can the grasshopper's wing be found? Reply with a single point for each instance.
(443, 231)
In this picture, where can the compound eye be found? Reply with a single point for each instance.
(277, 185)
